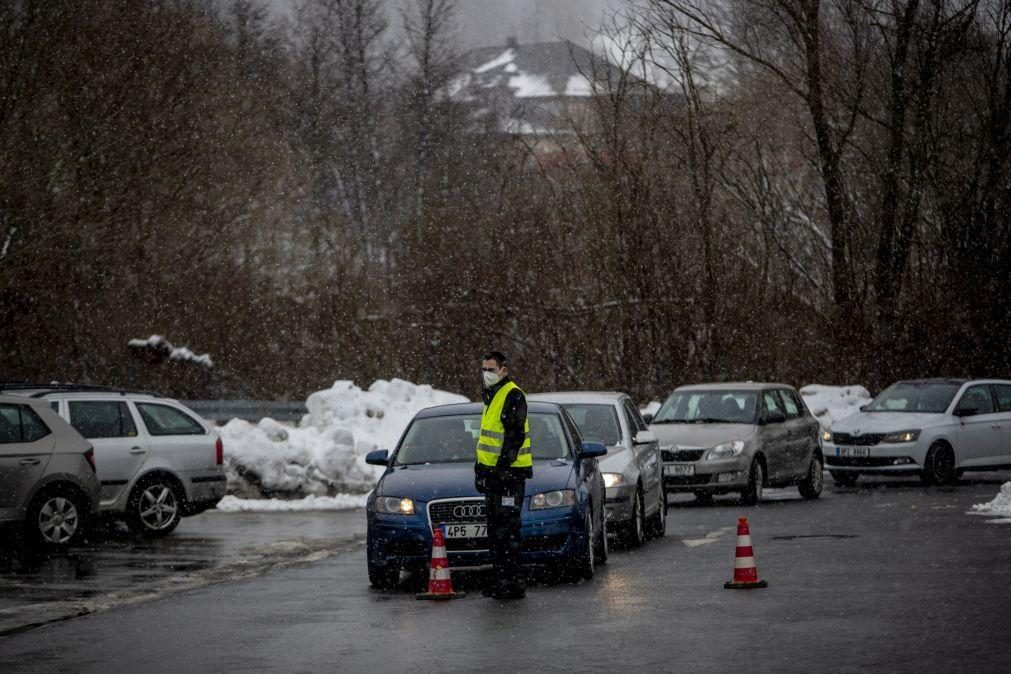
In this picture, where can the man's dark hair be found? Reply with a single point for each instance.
(496, 356)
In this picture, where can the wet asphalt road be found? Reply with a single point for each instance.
(889, 575)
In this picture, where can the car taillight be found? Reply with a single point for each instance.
(219, 452)
(90, 456)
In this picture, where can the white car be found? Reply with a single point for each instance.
(936, 428)
(156, 460)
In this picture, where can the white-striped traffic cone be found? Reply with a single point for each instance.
(745, 573)
(439, 584)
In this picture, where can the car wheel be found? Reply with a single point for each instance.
(811, 486)
(584, 566)
(155, 507)
(603, 547)
(635, 530)
(756, 484)
(55, 520)
(658, 525)
(384, 577)
(844, 479)
(939, 468)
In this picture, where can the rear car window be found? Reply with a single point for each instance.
(20, 423)
(165, 420)
(102, 419)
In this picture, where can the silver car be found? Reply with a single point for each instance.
(635, 502)
(157, 461)
(721, 438)
(47, 473)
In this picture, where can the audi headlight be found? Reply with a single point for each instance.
(726, 450)
(613, 480)
(553, 499)
(826, 436)
(902, 436)
(394, 505)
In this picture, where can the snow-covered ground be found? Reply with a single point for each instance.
(325, 453)
(829, 404)
(1000, 506)
(233, 504)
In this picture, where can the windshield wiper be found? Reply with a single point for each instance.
(669, 421)
(709, 420)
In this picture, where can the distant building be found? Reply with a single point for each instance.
(541, 93)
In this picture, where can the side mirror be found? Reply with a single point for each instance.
(648, 418)
(966, 411)
(644, 438)
(380, 457)
(591, 450)
(775, 417)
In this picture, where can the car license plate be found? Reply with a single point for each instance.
(853, 451)
(679, 469)
(466, 530)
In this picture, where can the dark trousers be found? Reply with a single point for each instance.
(504, 536)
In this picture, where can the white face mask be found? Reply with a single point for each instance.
(491, 378)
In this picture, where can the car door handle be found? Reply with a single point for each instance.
(30, 462)
(137, 450)
(995, 426)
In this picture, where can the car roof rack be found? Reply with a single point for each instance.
(46, 389)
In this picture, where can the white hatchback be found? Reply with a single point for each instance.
(156, 460)
(934, 428)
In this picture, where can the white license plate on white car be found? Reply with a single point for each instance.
(852, 451)
(679, 469)
(466, 530)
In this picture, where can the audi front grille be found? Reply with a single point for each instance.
(457, 511)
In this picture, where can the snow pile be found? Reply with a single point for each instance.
(652, 407)
(164, 347)
(829, 404)
(1001, 505)
(232, 504)
(325, 453)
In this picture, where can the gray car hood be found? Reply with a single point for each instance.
(885, 422)
(700, 435)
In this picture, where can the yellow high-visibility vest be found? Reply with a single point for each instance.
(489, 444)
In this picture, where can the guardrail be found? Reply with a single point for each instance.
(223, 411)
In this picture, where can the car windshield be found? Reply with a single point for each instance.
(596, 423)
(931, 398)
(453, 439)
(708, 407)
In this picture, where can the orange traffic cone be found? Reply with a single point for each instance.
(745, 573)
(439, 584)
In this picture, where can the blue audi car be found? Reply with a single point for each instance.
(429, 482)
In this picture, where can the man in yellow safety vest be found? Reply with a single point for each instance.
(504, 463)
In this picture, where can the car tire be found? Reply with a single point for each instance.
(384, 577)
(155, 507)
(584, 566)
(844, 479)
(752, 495)
(939, 468)
(812, 484)
(658, 524)
(55, 519)
(603, 547)
(635, 529)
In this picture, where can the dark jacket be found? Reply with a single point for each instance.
(514, 418)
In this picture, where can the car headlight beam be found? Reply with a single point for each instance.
(726, 450)
(553, 499)
(613, 480)
(826, 436)
(394, 505)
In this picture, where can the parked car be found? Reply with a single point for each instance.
(720, 438)
(934, 428)
(636, 502)
(47, 473)
(429, 482)
(157, 461)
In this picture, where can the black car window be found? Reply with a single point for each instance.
(636, 422)
(55, 405)
(1003, 392)
(32, 426)
(20, 423)
(596, 422)
(789, 404)
(770, 402)
(102, 419)
(165, 420)
(977, 397)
